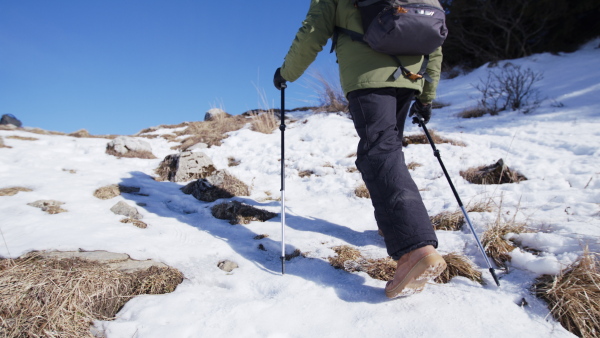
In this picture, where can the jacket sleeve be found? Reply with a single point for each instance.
(316, 29)
(434, 68)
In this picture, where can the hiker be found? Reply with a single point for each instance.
(379, 104)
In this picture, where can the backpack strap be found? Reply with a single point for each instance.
(400, 71)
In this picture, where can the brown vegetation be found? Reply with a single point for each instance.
(22, 138)
(210, 132)
(113, 190)
(49, 297)
(13, 191)
(494, 242)
(497, 173)
(458, 265)
(264, 123)
(574, 295)
(135, 222)
(447, 220)
(239, 213)
(362, 191)
(422, 139)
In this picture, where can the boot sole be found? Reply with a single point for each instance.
(426, 269)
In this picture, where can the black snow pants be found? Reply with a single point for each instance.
(379, 115)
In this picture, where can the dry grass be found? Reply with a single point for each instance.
(13, 191)
(330, 94)
(50, 206)
(135, 222)
(458, 265)
(422, 139)
(446, 220)
(239, 213)
(494, 242)
(574, 295)
(362, 191)
(49, 297)
(228, 187)
(264, 123)
(232, 162)
(113, 190)
(497, 173)
(305, 173)
(413, 165)
(110, 150)
(22, 138)
(210, 132)
(351, 260)
(475, 112)
(485, 205)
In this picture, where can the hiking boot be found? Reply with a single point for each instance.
(414, 270)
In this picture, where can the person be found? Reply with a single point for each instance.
(379, 105)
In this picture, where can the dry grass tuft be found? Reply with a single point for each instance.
(422, 139)
(351, 260)
(306, 173)
(413, 165)
(239, 213)
(494, 242)
(344, 253)
(50, 206)
(261, 236)
(13, 191)
(135, 222)
(22, 138)
(130, 154)
(113, 190)
(574, 295)
(210, 132)
(330, 94)
(486, 205)
(475, 112)
(49, 297)
(264, 123)
(296, 253)
(497, 173)
(458, 265)
(447, 220)
(232, 162)
(362, 191)
(227, 187)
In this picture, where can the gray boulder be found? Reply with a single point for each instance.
(125, 209)
(185, 166)
(124, 146)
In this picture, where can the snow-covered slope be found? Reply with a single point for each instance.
(555, 147)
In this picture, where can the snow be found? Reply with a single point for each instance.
(556, 147)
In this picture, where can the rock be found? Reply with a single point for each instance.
(237, 212)
(125, 209)
(124, 146)
(116, 261)
(221, 184)
(227, 265)
(50, 206)
(9, 119)
(185, 166)
(215, 113)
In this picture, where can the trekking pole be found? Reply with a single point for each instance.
(418, 119)
(282, 128)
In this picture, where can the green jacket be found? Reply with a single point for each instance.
(360, 66)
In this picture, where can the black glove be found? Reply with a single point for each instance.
(278, 80)
(421, 109)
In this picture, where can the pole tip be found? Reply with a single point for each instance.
(283, 265)
(495, 277)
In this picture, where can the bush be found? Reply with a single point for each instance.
(510, 88)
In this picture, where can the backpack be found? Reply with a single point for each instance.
(400, 27)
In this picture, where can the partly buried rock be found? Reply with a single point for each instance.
(185, 166)
(124, 146)
(9, 119)
(219, 185)
(215, 113)
(497, 173)
(50, 206)
(125, 209)
(114, 190)
(227, 265)
(236, 212)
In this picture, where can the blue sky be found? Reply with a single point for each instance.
(116, 67)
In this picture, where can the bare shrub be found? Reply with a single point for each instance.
(210, 132)
(362, 191)
(447, 220)
(509, 88)
(458, 265)
(497, 173)
(13, 191)
(573, 296)
(239, 213)
(422, 139)
(43, 297)
(264, 123)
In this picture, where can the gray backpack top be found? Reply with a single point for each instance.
(401, 27)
